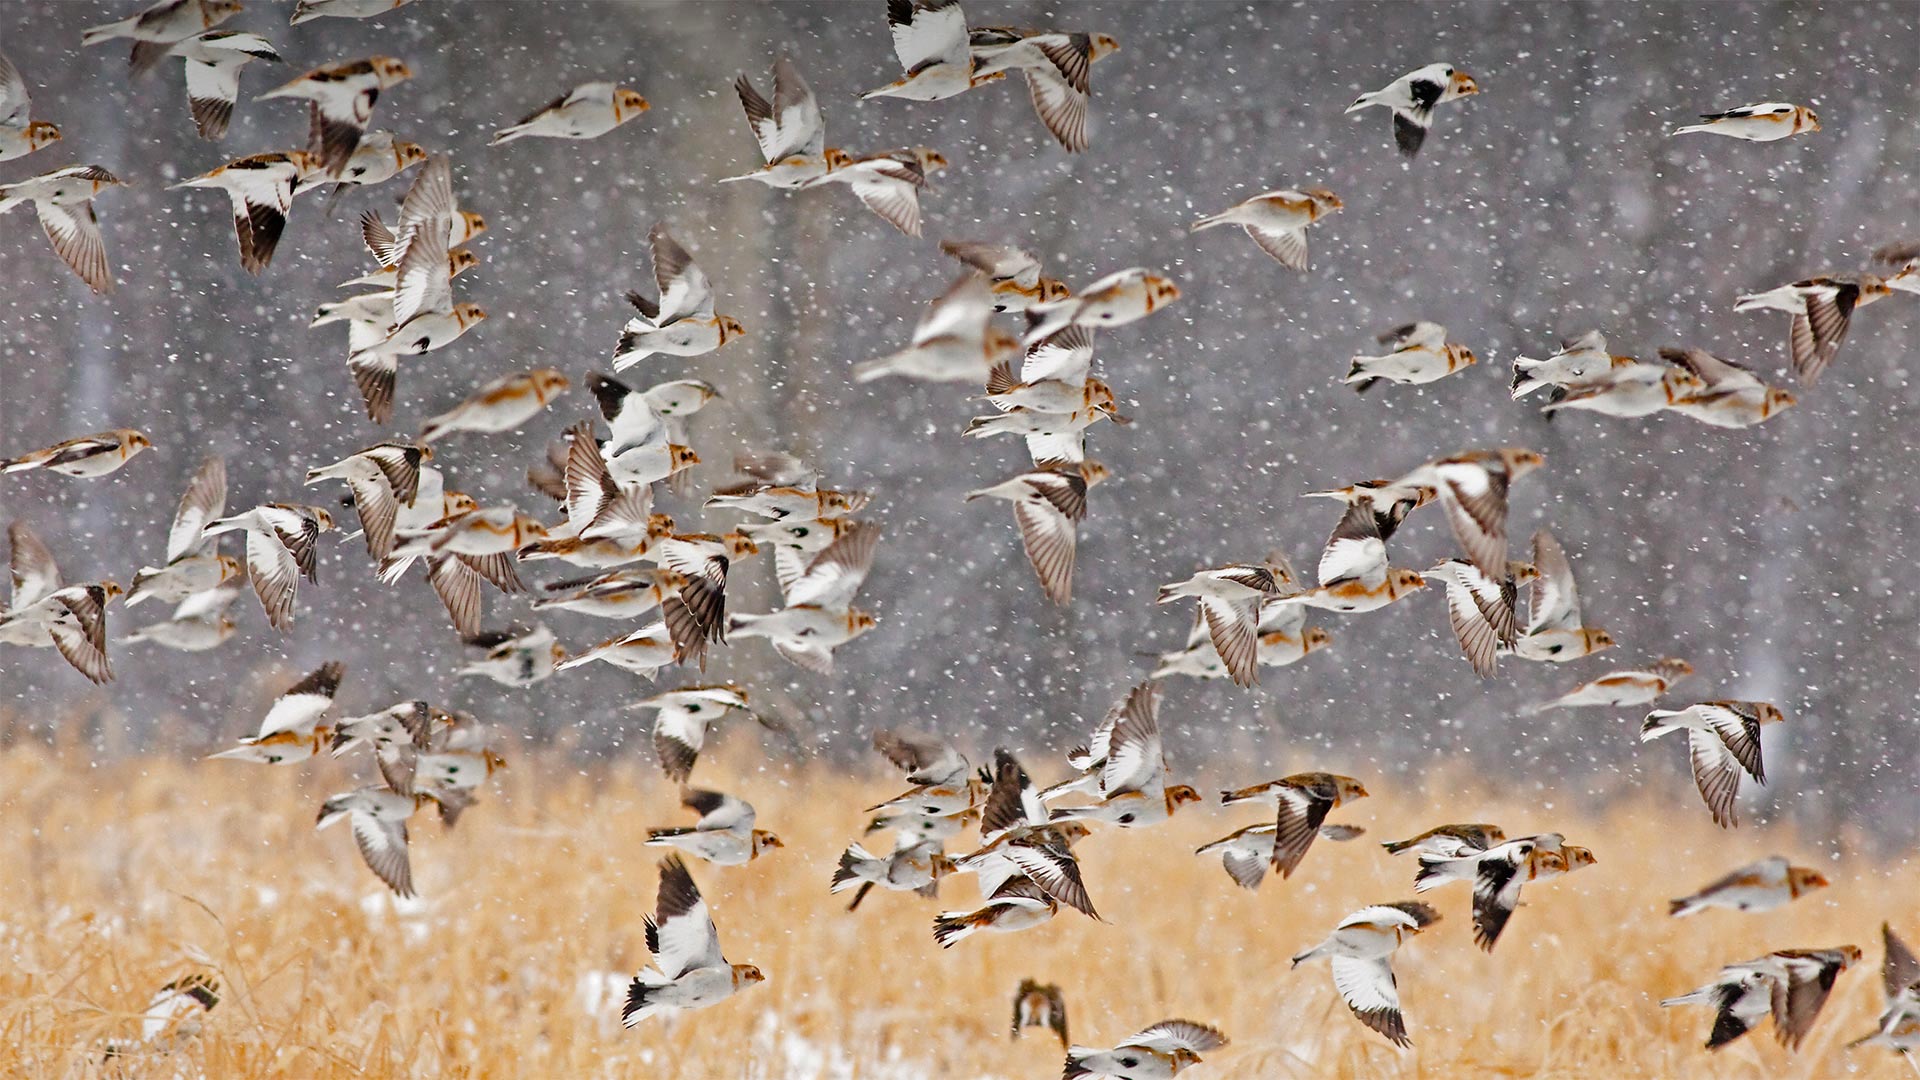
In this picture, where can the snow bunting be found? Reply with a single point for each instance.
(1622, 688)
(1629, 390)
(1723, 741)
(308, 10)
(724, 835)
(1126, 762)
(199, 623)
(681, 322)
(1360, 949)
(1579, 359)
(1354, 573)
(641, 417)
(682, 719)
(42, 611)
(1303, 801)
(1246, 853)
(1498, 873)
(1159, 1052)
(176, 1012)
(383, 477)
(1762, 886)
(1821, 312)
(1115, 300)
(283, 546)
(1018, 904)
(1555, 633)
(1230, 597)
(1278, 220)
(340, 97)
(1388, 502)
(1035, 1005)
(515, 657)
(261, 191)
(791, 133)
(1473, 490)
(378, 817)
(20, 134)
(1899, 1024)
(888, 184)
(1768, 121)
(1015, 275)
(689, 972)
(1734, 397)
(588, 111)
(1481, 610)
(1057, 67)
(379, 158)
(63, 200)
(1420, 354)
(1020, 842)
(213, 62)
(930, 38)
(160, 25)
(88, 457)
(646, 650)
(915, 864)
(621, 594)
(1284, 639)
(291, 731)
(955, 340)
(501, 405)
(784, 489)
(1450, 841)
(703, 559)
(1791, 985)
(1412, 98)
(1048, 506)
(818, 616)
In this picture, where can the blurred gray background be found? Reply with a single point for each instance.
(1775, 559)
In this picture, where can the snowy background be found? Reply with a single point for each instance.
(1775, 559)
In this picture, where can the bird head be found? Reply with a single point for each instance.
(859, 622)
(1407, 580)
(527, 529)
(557, 651)
(110, 589)
(1463, 355)
(1520, 460)
(836, 158)
(1769, 714)
(1160, 291)
(407, 154)
(1098, 394)
(1000, 342)
(469, 315)
(1812, 121)
(1599, 639)
(628, 103)
(680, 458)
(1183, 1057)
(1673, 668)
(1577, 857)
(493, 760)
(1778, 399)
(1460, 84)
(1093, 472)
(730, 328)
(42, 132)
(459, 261)
(471, 225)
(215, 10)
(747, 974)
(1802, 879)
(1102, 45)
(1315, 638)
(740, 545)
(1348, 789)
(848, 502)
(1849, 954)
(230, 568)
(323, 518)
(765, 841)
(1522, 572)
(389, 70)
(930, 160)
(1180, 795)
(137, 441)
(1053, 289)
(1324, 201)
(548, 383)
(455, 503)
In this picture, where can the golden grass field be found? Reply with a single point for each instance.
(120, 877)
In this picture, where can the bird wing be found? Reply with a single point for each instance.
(1298, 822)
(205, 499)
(35, 575)
(1717, 774)
(925, 30)
(678, 735)
(1169, 1035)
(1355, 550)
(75, 235)
(423, 282)
(212, 88)
(1049, 536)
(1066, 356)
(1059, 104)
(303, 703)
(1369, 989)
(718, 812)
(685, 291)
(1496, 892)
(1475, 499)
(681, 935)
(1135, 754)
(383, 846)
(16, 105)
(275, 576)
(1554, 603)
(81, 632)
(835, 575)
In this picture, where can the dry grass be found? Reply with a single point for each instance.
(120, 877)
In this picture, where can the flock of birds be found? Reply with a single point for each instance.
(669, 587)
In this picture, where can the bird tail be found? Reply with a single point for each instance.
(1690, 128)
(1363, 101)
(1435, 871)
(107, 32)
(1211, 221)
(951, 926)
(506, 135)
(1524, 380)
(869, 370)
(1698, 997)
(743, 625)
(1681, 908)
(844, 877)
(1750, 302)
(1655, 724)
(640, 1004)
(1170, 593)
(8, 202)
(1397, 846)
(1313, 953)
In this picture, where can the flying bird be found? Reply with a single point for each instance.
(63, 200)
(1723, 741)
(1159, 1052)
(1420, 353)
(20, 134)
(689, 971)
(680, 322)
(588, 111)
(1360, 950)
(1058, 69)
(1791, 985)
(931, 40)
(1769, 121)
(213, 61)
(1762, 886)
(1035, 1005)
(1412, 98)
(1621, 689)
(87, 457)
(1048, 505)
(1278, 221)
(790, 130)
(340, 99)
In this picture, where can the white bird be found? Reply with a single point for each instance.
(1412, 98)
(689, 972)
(1359, 950)
(931, 40)
(1769, 121)
(588, 111)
